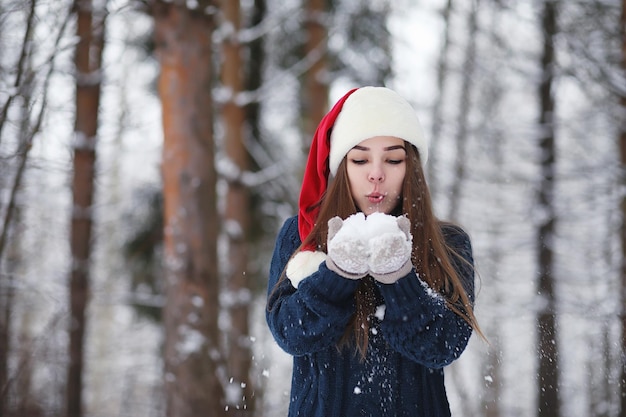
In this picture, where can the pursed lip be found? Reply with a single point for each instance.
(375, 197)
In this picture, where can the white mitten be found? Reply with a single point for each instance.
(347, 247)
(390, 246)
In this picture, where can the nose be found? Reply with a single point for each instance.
(376, 174)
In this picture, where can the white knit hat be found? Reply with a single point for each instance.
(370, 112)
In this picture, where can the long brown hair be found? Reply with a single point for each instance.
(431, 256)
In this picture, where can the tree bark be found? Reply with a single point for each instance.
(237, 294)
(193, 357)
(315, 83)
(548, 367)
(437, 116)
(87, 60)
(465, 108)
(495, 227)
(622, 146)
(254, 77)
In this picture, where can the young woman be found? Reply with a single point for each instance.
(370, 293)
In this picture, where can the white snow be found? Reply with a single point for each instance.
(358, 226)
(191, 342)
(380, 312)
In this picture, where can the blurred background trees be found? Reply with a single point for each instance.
(134, 283)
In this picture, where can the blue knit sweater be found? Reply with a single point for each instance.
(402, 373)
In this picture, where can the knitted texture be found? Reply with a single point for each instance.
(412, 336)
(390, 247)
(347, 248)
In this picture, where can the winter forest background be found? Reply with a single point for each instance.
(150, 150)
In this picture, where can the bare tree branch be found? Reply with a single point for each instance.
(28, 140)
(25, 52)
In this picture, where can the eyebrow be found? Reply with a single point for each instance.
(388, 148)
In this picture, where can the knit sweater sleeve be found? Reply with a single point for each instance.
(417, 322)
(314, 316)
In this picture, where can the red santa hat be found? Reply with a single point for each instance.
(360, 114)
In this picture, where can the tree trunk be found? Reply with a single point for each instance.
(599, 370)
(465, 107)
(494, 134)
(315, 84)
(491, 400)
(6, 306)
(87, 59)
(254, 77)
(622, 145)
(237, 220)
(495, 227)
(437, 117)
(548, 369)
(193, 358)
(6, 291)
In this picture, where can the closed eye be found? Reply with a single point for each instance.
(358, 161)
(395, 161)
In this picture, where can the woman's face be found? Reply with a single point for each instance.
(376, 168)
